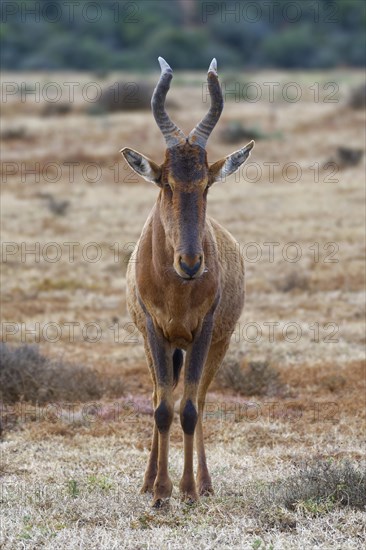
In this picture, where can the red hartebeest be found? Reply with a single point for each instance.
(185, 292)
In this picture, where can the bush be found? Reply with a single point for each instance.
(125, 96)
(344, 157)
(357, 98)
(18, 132)
(293, 280)
(319, 487)
(27, 375)
(131, 35)
(291, 48)
(184, 48)
(254, 378)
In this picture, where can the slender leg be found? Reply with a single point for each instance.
(162, 356)
(195, 360)
(213, 362)
(188, 415)
(152, 465)
(163, 486)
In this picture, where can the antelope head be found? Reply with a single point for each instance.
(185, 176)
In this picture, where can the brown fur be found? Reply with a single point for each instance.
(179, 306)
(185, 286)
(172, 311)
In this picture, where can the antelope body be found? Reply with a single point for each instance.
(185, 287)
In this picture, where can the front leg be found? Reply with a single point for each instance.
(152, 465)
(195, 361)
(162, 356)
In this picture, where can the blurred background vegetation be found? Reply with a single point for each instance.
(107, 35)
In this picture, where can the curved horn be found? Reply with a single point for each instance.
(202, 131)
(172, 134)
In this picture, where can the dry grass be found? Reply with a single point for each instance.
(68, 482)
(88, 495)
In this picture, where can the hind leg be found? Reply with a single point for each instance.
(214, 359)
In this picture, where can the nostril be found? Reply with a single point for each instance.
(190, 264)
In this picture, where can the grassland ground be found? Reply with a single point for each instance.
(71, 471)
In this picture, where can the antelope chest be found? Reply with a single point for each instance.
(178, 313)
(178, 322)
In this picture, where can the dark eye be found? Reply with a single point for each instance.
(168, 189)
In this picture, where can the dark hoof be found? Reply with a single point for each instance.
(162, 490)
(189, 501)
(160, 503)
(206, 491)
(147, 487)
(189, 497)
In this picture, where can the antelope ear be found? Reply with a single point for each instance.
(227, 166)
(143, 166)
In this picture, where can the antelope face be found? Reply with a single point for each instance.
(184, 177)
(182, 204)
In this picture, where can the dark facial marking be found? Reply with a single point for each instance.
(185, 170)
(187, 164)
(190, 217)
